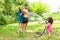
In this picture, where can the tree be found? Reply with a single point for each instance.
(39, 8)
(9, 9)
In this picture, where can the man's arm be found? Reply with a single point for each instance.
(25, 12)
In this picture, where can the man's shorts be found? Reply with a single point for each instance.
(25, 20)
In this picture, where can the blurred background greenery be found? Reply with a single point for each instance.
(9, 9)
(39, 11)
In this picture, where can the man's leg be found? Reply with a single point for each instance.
(24, 25)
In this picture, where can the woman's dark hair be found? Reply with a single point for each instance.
(50, 20)
(20, 10)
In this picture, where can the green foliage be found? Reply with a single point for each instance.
(39, 8)
(9, 9)
(2, 19)
(7, 19)
(56, 15)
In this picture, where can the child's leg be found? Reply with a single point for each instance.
(48, 33)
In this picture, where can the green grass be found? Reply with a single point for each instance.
(10, 32)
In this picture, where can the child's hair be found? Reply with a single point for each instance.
(50, 20)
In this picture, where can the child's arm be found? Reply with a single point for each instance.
(47, 25)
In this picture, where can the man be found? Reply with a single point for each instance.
(25, 18)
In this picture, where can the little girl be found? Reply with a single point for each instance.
(49, 26)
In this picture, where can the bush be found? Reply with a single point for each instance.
(7, 19)
(39, 8)
(2, 19)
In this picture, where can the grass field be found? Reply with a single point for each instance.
(9, 32)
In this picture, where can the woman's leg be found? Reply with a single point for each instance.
(19, 25)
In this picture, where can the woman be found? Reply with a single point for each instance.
(20, 18)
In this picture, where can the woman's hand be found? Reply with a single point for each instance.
(20, 14)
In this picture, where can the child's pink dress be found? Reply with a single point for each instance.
(48, 28)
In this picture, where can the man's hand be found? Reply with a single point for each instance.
(30, 15)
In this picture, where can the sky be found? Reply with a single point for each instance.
(53, 3)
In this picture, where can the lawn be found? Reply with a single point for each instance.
(9, 32)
